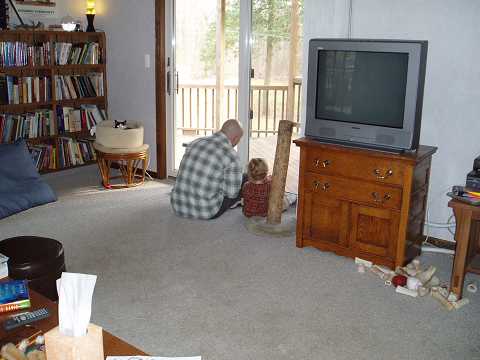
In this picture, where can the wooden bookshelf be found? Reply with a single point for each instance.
(51, 70)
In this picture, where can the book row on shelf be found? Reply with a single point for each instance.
(68, 53)
(24, 54)
(25, 90)
(64, 153)
(44, 123)
(76, 86)
(38, 89)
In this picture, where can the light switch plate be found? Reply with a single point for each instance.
(147, 61)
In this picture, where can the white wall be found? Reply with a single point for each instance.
(451, 107)
(130, 30)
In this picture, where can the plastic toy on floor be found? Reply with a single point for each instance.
(413, 281)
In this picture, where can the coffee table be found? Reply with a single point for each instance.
(112, 345)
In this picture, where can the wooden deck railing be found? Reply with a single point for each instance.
(196, 107)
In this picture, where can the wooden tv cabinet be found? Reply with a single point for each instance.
(362, 203)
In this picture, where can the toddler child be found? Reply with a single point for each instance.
(256, 189)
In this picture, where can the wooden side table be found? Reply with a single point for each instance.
(132, 165)
(467, 236)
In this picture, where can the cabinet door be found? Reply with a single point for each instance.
(325, 219)
(374, 230)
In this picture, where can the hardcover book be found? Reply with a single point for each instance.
(14, 295)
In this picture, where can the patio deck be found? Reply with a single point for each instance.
(262, 147)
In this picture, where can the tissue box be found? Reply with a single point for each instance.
(87, 347)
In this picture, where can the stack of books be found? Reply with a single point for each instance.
(14, 295)
(27, 126)
(25, 90)
(465, 194)
(68, 53)
(43, 123)
(78, 86)
(23, 54)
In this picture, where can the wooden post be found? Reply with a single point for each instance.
(292, 65)
(220, 57)
(279, 176)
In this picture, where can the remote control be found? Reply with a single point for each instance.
(25, 318)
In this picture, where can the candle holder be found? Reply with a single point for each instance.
(90, 27)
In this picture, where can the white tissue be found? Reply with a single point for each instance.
(75, 293)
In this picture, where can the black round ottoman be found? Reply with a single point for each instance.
(39, 260)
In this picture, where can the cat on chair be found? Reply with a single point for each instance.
(120, 124)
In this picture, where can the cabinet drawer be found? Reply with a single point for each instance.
(354, 166)
(352, 190)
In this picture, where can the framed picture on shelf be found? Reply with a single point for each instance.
(44, 3)
(35, 11)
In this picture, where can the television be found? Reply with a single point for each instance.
(366, 93)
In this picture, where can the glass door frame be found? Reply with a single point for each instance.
(244, 77)
(244, 111)
(170, 85)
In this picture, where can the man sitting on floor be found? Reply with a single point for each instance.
(210, 176)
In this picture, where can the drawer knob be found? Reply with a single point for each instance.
(379, 176)
(320, 163)
(378, 199)
(317, 184)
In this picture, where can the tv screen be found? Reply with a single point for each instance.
(362, 87)
(366, 92)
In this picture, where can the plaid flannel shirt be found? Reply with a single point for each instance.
(210, 170)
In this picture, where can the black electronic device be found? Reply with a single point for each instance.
(458, 190)
(366, 92)
(25, 318)
(464, 194)
(473, 180)
(476, 164)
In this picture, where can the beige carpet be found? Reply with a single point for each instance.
(178, 287)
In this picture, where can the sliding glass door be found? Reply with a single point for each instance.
(275, 88)
(202, 71)
(233, 59)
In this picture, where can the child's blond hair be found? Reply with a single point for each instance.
(257, 169)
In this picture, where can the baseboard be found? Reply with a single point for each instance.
(153, 174)
(440, 243)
